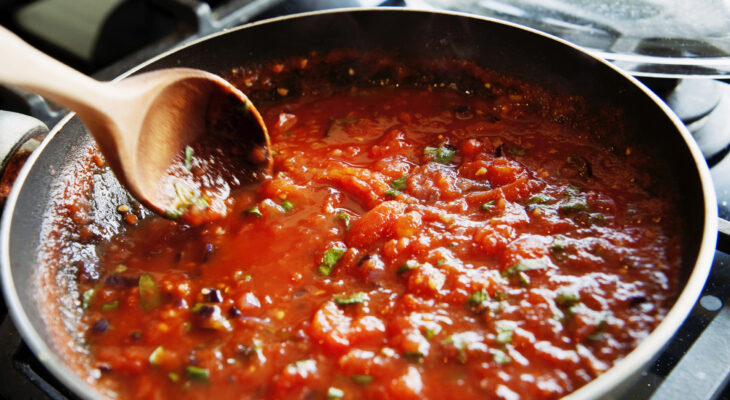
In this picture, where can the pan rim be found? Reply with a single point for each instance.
(603, 384)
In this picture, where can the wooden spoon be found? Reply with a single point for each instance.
(178, 139)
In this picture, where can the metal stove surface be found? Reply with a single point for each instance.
(695, 364)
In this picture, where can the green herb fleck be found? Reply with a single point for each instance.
(574, 206)
(287, 205)
(500, 357)
(462, 342)
(600, 326)
(330, 259)
(197, 374)
(413, 356)
(539, 199)
(392, 193)
(345, 218)
(408, 266)
(346, 300)
(120, 269)
(255, 211)
(110, 306)
(155, 357)
(334, 393)
(362, 379)
(87, 297)
(172, 214)
(399, 184)
(518, 151)
(558, 248)
(572, 190)
(518, 269)
(173, 377)
(567, 297)
(505, 332)
(429, 332)
(188, 157)
(440, 262)
(441, 154)
(487, 206)
(149, 294)
(478, 298)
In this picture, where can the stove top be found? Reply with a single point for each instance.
(694, 365)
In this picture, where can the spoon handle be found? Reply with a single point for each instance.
(25, 67)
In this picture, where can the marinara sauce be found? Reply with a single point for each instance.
(411, 243)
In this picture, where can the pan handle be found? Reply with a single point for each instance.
(19, 136)
(723, 235)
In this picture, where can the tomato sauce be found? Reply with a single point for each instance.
(410, 244)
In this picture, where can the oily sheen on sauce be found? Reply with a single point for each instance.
(410, 243)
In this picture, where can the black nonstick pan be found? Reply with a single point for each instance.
(32, 282)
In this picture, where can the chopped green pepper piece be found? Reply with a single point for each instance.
(255, 211)
(188, 157)
(440, 262)
(287, 205)
(518, 151)
(197, 374)
(362, 379)
(155, 357)
(330, 258)
(110, 306)
(149, 294)
(392, 193)
(487, 206)
(87, 297)
(355, 298)
(441, 154)
(334, 393)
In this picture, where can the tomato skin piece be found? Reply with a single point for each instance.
(376, 224)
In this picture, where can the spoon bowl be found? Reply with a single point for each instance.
(179, 140)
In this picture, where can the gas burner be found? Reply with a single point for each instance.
(704, 106)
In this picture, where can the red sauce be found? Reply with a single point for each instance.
(410, 244)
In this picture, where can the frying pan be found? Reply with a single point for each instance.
(517, 51)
